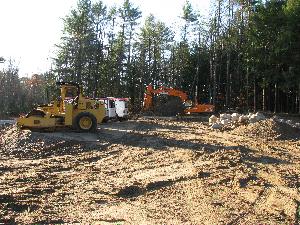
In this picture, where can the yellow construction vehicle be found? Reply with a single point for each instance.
(71, 110)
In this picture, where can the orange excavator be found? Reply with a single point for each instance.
(173, 102)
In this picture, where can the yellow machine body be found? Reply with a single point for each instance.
(36, 122)
(72, 109)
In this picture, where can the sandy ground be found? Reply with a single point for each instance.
(149, 172)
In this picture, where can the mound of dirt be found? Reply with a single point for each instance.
(269, 129)
(33, 145)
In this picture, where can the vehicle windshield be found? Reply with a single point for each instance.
(71, 92)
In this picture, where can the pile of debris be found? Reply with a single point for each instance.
(256, 125)
(287, 121)
(231, 121)
(270, 129)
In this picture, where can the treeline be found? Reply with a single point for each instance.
(245, 55)
(20, 95)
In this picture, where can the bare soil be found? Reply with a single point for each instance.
(149, 171)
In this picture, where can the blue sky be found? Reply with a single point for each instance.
(31, 28)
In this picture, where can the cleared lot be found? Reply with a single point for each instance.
(151, 172)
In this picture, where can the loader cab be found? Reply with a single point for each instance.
(69, 90)
(69, 93)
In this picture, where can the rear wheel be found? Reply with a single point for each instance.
(85, 122)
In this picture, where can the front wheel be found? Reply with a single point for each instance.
(85, 122)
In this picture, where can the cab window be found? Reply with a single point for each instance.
(71, 92)
(111, 104)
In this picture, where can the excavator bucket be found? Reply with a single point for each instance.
(164, 105)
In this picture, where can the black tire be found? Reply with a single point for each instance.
(105, 119)
(121, 119)
(81, 126)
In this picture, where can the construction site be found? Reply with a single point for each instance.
(150, 112)
(153, 170)
(80, 160)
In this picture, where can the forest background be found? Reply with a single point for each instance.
(245, 55)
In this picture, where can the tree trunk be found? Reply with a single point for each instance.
(264, 98)
(255, 93)
(247, 87)
(227, 102)
(149, 60)
(287, 102)
(275, 99)
(299, 98)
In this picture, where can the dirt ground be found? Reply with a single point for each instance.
(151, 172)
